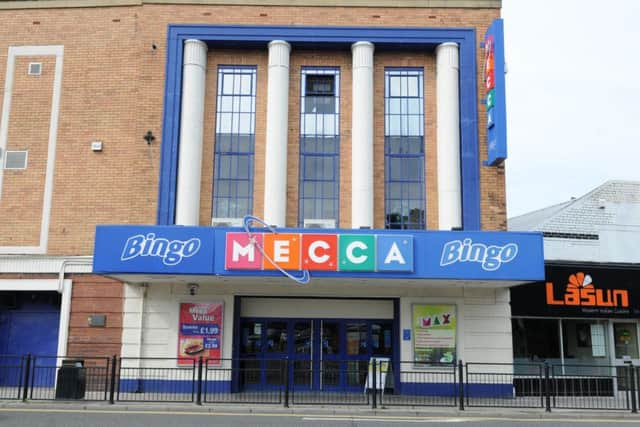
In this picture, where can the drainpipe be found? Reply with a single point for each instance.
(65, 288)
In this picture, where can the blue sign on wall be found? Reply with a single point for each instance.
(454, 255)
(494, 85)
(153, 249)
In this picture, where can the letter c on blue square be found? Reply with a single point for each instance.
(395, 253)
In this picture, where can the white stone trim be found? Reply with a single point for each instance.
(448, 137)
(275, 164)
(26, 264)
(191, 133)
(65, 316)
(34, 285)
(362, 135)
(58, 52)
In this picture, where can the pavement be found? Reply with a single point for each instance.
(307, 410)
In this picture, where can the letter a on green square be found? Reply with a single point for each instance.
(357, 252)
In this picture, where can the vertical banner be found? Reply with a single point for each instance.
(200, 332)
(434, 333)
(496, 94)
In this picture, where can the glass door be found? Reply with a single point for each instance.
(301, 355)
(625, 349)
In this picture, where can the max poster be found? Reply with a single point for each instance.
(434, 333)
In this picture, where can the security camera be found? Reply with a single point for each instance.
(193, 288)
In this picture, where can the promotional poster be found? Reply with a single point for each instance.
(200, 333)
(434, 333)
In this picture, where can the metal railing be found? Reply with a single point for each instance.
(156, 379)
(12, 377)
(282, 381)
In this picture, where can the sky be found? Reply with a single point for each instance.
(573, 98)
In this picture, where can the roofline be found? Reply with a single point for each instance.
(421, 4)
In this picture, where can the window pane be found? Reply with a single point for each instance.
(404, 151)
(330, 338)
(536, 339)
(251, 337)
(412, 86)
(356, 338)
(394, 86)
(414, 106)
(234, 146)
(319, 143)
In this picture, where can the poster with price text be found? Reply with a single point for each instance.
(434, 333)
(200, 332)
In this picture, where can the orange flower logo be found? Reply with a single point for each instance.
(580, 280)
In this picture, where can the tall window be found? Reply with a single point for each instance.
(404, 148)
(319, 144)
(235, 137)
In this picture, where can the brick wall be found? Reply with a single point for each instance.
(95, 295)
(113, 87)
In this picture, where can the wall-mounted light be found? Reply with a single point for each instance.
(193, 288)
(149, 137)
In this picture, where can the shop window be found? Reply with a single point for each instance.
(536, 340)
(584, 343)
(626, 340)
(404, 148)
(319, 144)
(235, 140)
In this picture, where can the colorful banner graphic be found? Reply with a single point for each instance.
(200, 332)
(319, 252)
(494, 86)
(434, 333)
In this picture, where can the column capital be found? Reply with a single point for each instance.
(446, 44)
(279, 43)
(195, 53)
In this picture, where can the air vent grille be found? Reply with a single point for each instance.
(35, 68)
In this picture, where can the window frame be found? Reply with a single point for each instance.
(311, 152)
(234, 149)
(402, 146)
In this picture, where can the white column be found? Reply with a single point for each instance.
(65, 315)
(448, 135)
(362, 135)
(191, 131)
(275, 168)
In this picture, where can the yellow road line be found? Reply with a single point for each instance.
(328, 417)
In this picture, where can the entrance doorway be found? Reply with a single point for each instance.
(323, 354)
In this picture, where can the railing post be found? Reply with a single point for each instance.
(460, 384)
(632, 389)
(547, 388)
(374, 381)
(27, 372)
(286, 382)
(112, 385)
(199, 395)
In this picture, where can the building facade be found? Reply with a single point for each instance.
(316, 180)
(584, 315)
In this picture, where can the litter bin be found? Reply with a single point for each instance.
(72, 379)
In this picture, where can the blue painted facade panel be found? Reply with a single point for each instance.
(335, 37)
